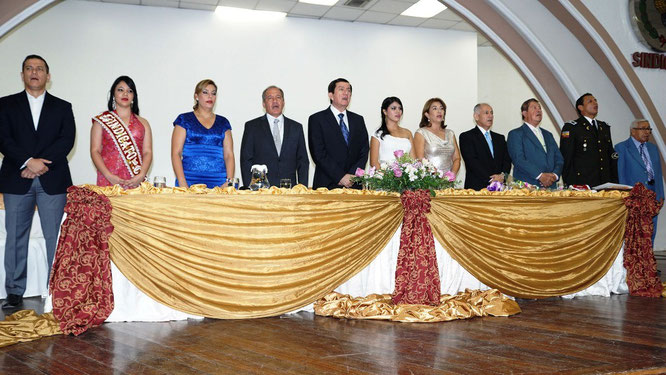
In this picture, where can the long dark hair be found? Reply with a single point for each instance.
(383, 129)
(426, 108)
(129, 82)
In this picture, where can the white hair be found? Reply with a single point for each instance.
(635, 123)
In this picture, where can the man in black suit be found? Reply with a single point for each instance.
(275, 141)
(338, 139)
(587, 147)
(36, 133)
(484, 151)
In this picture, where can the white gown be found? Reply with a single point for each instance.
(389, 145)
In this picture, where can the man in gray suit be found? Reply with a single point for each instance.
(536, 158)
(275, 141)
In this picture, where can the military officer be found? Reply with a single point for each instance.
(587, 148)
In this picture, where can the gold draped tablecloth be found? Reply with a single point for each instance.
(239, 254)
(531, 244)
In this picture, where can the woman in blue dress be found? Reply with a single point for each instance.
(202, 149)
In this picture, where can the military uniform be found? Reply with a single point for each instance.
(589, 157)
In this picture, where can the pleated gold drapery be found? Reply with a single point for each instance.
(531, 244)
(235, 254)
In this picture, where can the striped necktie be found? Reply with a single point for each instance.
(648, 166)
(343, 127)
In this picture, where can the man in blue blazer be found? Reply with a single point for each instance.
(638, 161)
(338, 139)
(36, 133)
(536, 158)
(275, 141)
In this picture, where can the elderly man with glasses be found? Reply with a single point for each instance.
(639, 161)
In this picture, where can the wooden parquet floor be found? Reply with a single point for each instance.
(589, 335)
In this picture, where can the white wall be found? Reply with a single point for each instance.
(581, 73)
(502, 86)
(167, 51)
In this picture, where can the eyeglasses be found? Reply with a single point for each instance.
(648, 129)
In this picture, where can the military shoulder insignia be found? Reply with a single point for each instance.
(572, 122)
(614, 156)
(565, 134)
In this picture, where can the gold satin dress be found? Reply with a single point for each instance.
(439, 151)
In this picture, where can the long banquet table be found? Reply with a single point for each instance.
(196, 252)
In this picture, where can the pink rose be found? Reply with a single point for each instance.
(450, 176)
(397, 172)
(398, 153)
(359, 172)
(371, 172)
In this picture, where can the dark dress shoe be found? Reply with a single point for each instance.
(12, 301)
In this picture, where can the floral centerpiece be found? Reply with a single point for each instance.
(510, 183)
(405, 173)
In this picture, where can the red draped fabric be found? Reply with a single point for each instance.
(80, 281)
(642, 277)
(416, 274)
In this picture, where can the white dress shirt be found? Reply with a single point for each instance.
(36, 105)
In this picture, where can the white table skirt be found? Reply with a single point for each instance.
(36, 284)
(378, 277)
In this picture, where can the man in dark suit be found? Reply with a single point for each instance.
(536, 158)
(484, 151)
(338, 139)
(275, 141)
(36, 133)
(639, 162)
(587, 147)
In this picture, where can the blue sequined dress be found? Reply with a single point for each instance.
(203, 151)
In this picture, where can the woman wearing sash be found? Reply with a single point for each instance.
(121, 143)
(202, 150)
(390, 137)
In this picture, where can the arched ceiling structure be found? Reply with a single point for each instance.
(542, 39)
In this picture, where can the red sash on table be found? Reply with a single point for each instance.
(122, 138)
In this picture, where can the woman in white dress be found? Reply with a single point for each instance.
(390, 137)
(433, 141)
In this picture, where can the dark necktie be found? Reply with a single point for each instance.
(343, 127)
(644, 156)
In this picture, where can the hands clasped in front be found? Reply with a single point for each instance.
(35, 167)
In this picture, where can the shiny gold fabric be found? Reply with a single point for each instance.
(237, 254)
(531, 244)
(26, 325)
(464, 305)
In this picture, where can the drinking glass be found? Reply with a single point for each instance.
(159, 181)
(285, 183)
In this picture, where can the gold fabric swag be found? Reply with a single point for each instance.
(246, 255)
(532, 244)
(235, 254)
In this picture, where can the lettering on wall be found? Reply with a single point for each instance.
(648, 60)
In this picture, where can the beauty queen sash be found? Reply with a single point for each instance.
(122, 138)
